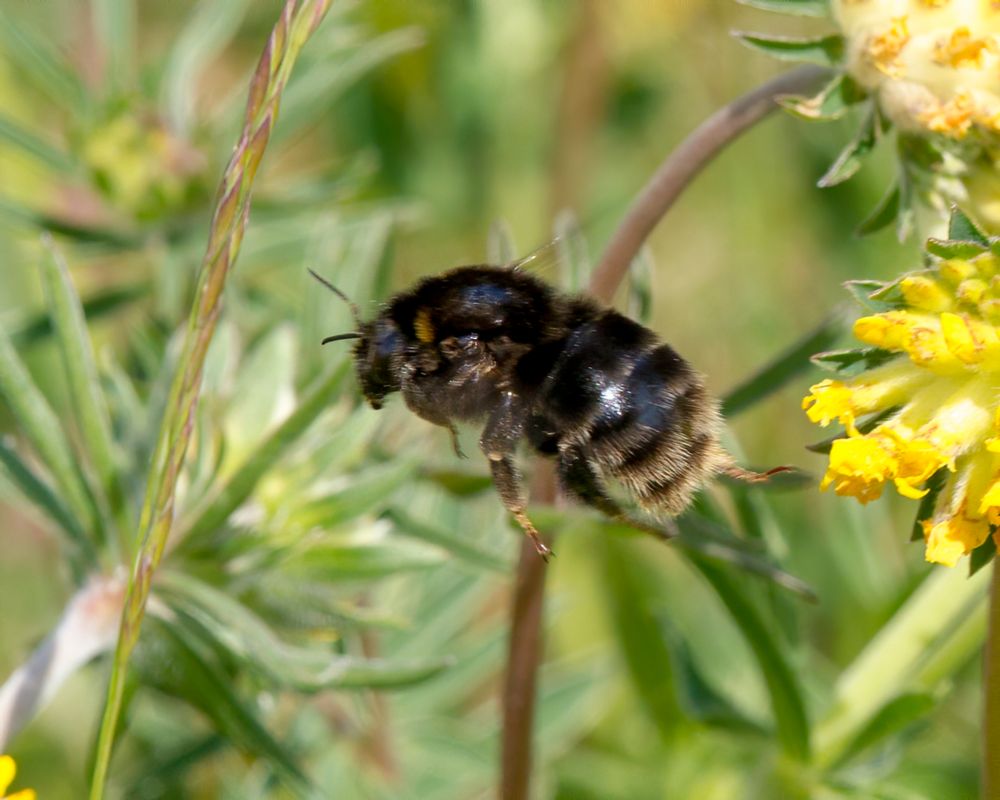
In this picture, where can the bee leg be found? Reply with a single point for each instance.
(508, 483)
(581, 481)
(455, 444)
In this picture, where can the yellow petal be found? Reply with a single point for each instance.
(8, 769)
(952, 538)
(829, 400)
(925, 293)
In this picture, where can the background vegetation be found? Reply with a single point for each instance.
(407, 132)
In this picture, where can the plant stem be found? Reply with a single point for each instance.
(991, 696)
(684, 163)
(667, 184)
(297, 22)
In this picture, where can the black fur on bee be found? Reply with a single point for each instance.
(580, 382)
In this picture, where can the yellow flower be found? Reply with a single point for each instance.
(934, 66)
(8, 769)
(932, 405)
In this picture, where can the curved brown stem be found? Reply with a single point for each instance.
(684, 163)
(673, 176)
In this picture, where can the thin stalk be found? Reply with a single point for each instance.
(297, 22)
(685, 163)
(991, 696)
(668, 182)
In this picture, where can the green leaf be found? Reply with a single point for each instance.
(457, 545)
(235, 491)
(89, 405)
(341, 562)
(786, 366)
(884, 214)
(982, 555)
(876, 296)
(190, 670)
(830, 103)
(629, 591)
(851, 362)
(40, 425)
(574, 253)
(115, 240)
(947, 248)
(961, 228)
(33, 144)
(245, 636)
(207, 30)
(40, 64)
(40, 327)
(893, 717)
(38, 492)
(782, 683)
(115, 29)
(805, 8)
(925, 510)
(367, 492)
(850, 158)
(460, 484)
(827, 51)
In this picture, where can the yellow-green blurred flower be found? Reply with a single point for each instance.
(929, 401)
(8, 770)
(934, 64)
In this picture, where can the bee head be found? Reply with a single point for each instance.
(378, 359)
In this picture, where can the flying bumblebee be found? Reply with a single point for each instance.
(582, 383)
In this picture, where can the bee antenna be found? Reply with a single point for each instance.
(351, 304)
(341, 336)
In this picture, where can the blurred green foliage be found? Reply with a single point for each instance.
(324, 551)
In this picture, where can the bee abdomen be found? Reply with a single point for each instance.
(661, 442)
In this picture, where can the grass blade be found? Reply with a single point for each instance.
(458, 546)
(295, 25)
(30, 143)
(115, 27)
(37, 60)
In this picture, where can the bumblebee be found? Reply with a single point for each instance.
(582, 383)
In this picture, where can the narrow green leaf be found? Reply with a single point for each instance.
(116, 240)
(877, 296)
(207, 30)
(805, 8)
(851, 362)
(457, 545)
(574, 253)
(40, 327)
(830, 103)
(460, 484)
(782, 683)
(925, 510)
(785, 367)
(948, 248)
(195, 676)
(639, 635)
(33, 144)
(962, 228)
(827, 51)
(894, 716)
(884, 214)
(38, 492)
(115, 28)
(341, 562)
(89, 406)
(39, 63)
(40, 425)
(234, 492)
(982, 555)
(367, 492)
(244, 635)
(851, 157)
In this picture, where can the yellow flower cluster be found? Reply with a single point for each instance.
(936, 408)
(933, 64)
(8, 770)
